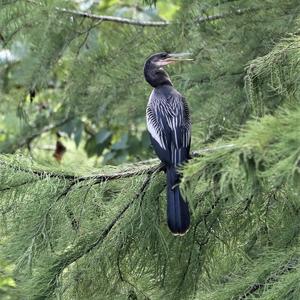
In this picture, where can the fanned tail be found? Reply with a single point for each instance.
(178, 210)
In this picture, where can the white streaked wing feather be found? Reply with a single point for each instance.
(176, 112)
(154, 129)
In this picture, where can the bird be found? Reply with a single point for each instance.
(169, 127)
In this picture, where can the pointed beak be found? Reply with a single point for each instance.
(176, 57)
(180, 56)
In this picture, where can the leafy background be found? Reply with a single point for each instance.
(82, 201)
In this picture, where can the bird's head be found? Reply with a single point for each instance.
(161, 59)
(154, 73)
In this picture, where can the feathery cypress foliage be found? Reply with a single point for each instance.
(76, 234)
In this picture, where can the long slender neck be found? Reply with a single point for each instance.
(156, 76)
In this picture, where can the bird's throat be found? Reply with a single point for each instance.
(157, 77)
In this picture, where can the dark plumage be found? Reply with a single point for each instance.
(169, 127)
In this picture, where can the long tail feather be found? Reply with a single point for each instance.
(177, 210)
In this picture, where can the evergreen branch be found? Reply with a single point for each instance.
(270, 280)
(81, 249)
(134, 171)
(98, 178)
(237, 12)
(124, 279)
(222, 2)
(18, 185)
(41, 226)
(134, 22)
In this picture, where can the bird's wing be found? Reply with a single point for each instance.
(169, 126)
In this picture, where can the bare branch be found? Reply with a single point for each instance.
(134, 22)
(113, 19)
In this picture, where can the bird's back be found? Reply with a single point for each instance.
(169, 124)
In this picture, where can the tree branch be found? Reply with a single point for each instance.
(142, 168)
(75, 253)
(18, 185)
(135, 22)
(237, 12)
(112, 18)
(290, 266)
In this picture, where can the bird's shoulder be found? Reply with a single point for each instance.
(165, 94)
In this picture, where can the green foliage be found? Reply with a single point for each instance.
(273, 80)
(81, 68)
(7, 283)
(71, 231)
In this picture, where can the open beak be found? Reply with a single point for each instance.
(176, 57)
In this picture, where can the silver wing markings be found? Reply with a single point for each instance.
(169, 125)
(179, 120)
(154, 128)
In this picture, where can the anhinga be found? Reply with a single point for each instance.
(169, 125)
